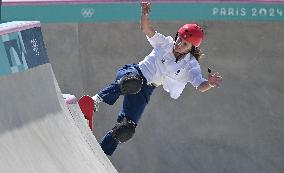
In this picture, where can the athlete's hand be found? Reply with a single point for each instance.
(215, 79)
(145, 8)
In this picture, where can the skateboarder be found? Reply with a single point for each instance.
(171, 64)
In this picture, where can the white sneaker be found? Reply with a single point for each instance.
(97, 99)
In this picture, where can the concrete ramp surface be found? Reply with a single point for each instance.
(38, 133)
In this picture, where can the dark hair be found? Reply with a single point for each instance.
(195, 51)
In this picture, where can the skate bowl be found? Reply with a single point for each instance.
(38, 131)
(235, 128)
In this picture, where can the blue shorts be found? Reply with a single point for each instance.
(133, 104)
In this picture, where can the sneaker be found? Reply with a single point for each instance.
(96, 106)
(97, 99)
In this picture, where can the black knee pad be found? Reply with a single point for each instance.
(130, 84)
(124, 130)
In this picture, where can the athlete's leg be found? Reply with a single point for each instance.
(127, 80)
(132, 109)
(110, 93)
(108, 144)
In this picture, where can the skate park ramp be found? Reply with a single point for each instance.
(38, 132)
(237, 128)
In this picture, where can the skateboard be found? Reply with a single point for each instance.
(87, 104)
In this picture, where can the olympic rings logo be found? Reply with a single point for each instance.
(87, 12)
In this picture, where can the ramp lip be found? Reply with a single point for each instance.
(17, 26)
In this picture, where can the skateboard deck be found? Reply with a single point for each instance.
(87, 104)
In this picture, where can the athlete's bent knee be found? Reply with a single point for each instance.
(130, 84)
(124, 130)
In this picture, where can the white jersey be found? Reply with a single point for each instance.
(160, 67)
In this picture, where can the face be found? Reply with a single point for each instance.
(182, 46)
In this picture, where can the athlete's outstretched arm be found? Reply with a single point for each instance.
(214, 80)
(145, 24)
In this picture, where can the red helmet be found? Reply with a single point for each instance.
(192, 33)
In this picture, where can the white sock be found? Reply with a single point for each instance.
(97, 98)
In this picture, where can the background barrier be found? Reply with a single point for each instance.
(21, 47)
(128, 11)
